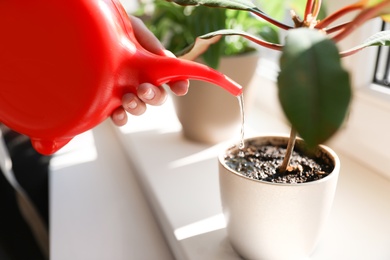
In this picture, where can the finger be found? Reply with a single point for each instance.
(151, 94)
(132, 104)
(145, 37)
(119, 116)
(180, 88)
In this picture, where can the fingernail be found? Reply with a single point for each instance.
(149, 94)
(121, 116)
(132, 104)
(169, 53)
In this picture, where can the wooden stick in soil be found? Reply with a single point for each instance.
(289, 151)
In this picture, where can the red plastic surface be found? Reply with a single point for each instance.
(65, 64)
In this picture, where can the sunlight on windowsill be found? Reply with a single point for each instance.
(201, 227)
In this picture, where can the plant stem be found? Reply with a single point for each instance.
(361, 18)
(349, 53)
(316, 9)
(269, 45)
(229, 32)
(336, 15)
(264, 16)
(289, 151)
(308, 9)
(336, 28)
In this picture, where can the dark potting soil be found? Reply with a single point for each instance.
(263, 162)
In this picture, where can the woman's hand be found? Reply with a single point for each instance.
(147, 94)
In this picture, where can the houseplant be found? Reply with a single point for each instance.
(217, 118)
(267, 220)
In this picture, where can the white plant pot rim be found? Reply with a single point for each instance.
(329, 151)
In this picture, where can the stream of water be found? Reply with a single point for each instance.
(241, 145)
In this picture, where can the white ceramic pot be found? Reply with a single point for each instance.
(208, 113)
(275, 221)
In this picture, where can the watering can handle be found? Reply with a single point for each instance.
(66, 64)
(169, 68)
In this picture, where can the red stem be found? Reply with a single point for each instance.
(336, 28)
(266, 44)
(361, 18)
(336, 15)
(316, 9)
(309, 8)
(269, 45)
(271, 20)
(349, 53)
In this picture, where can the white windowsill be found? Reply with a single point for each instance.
(180, 181)
(97, 209)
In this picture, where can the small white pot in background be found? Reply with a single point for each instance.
(208, 113)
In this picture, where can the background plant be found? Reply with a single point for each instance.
(178, 26)
(314, 88)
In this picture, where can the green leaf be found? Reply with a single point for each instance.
(198, 48)
(314, 89)
(379, 39)
(244, 5)
(232, 4)
(204, 41)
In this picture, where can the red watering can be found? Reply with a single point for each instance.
(65, 64)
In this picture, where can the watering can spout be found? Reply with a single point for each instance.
(198, 71)
(173, 69)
